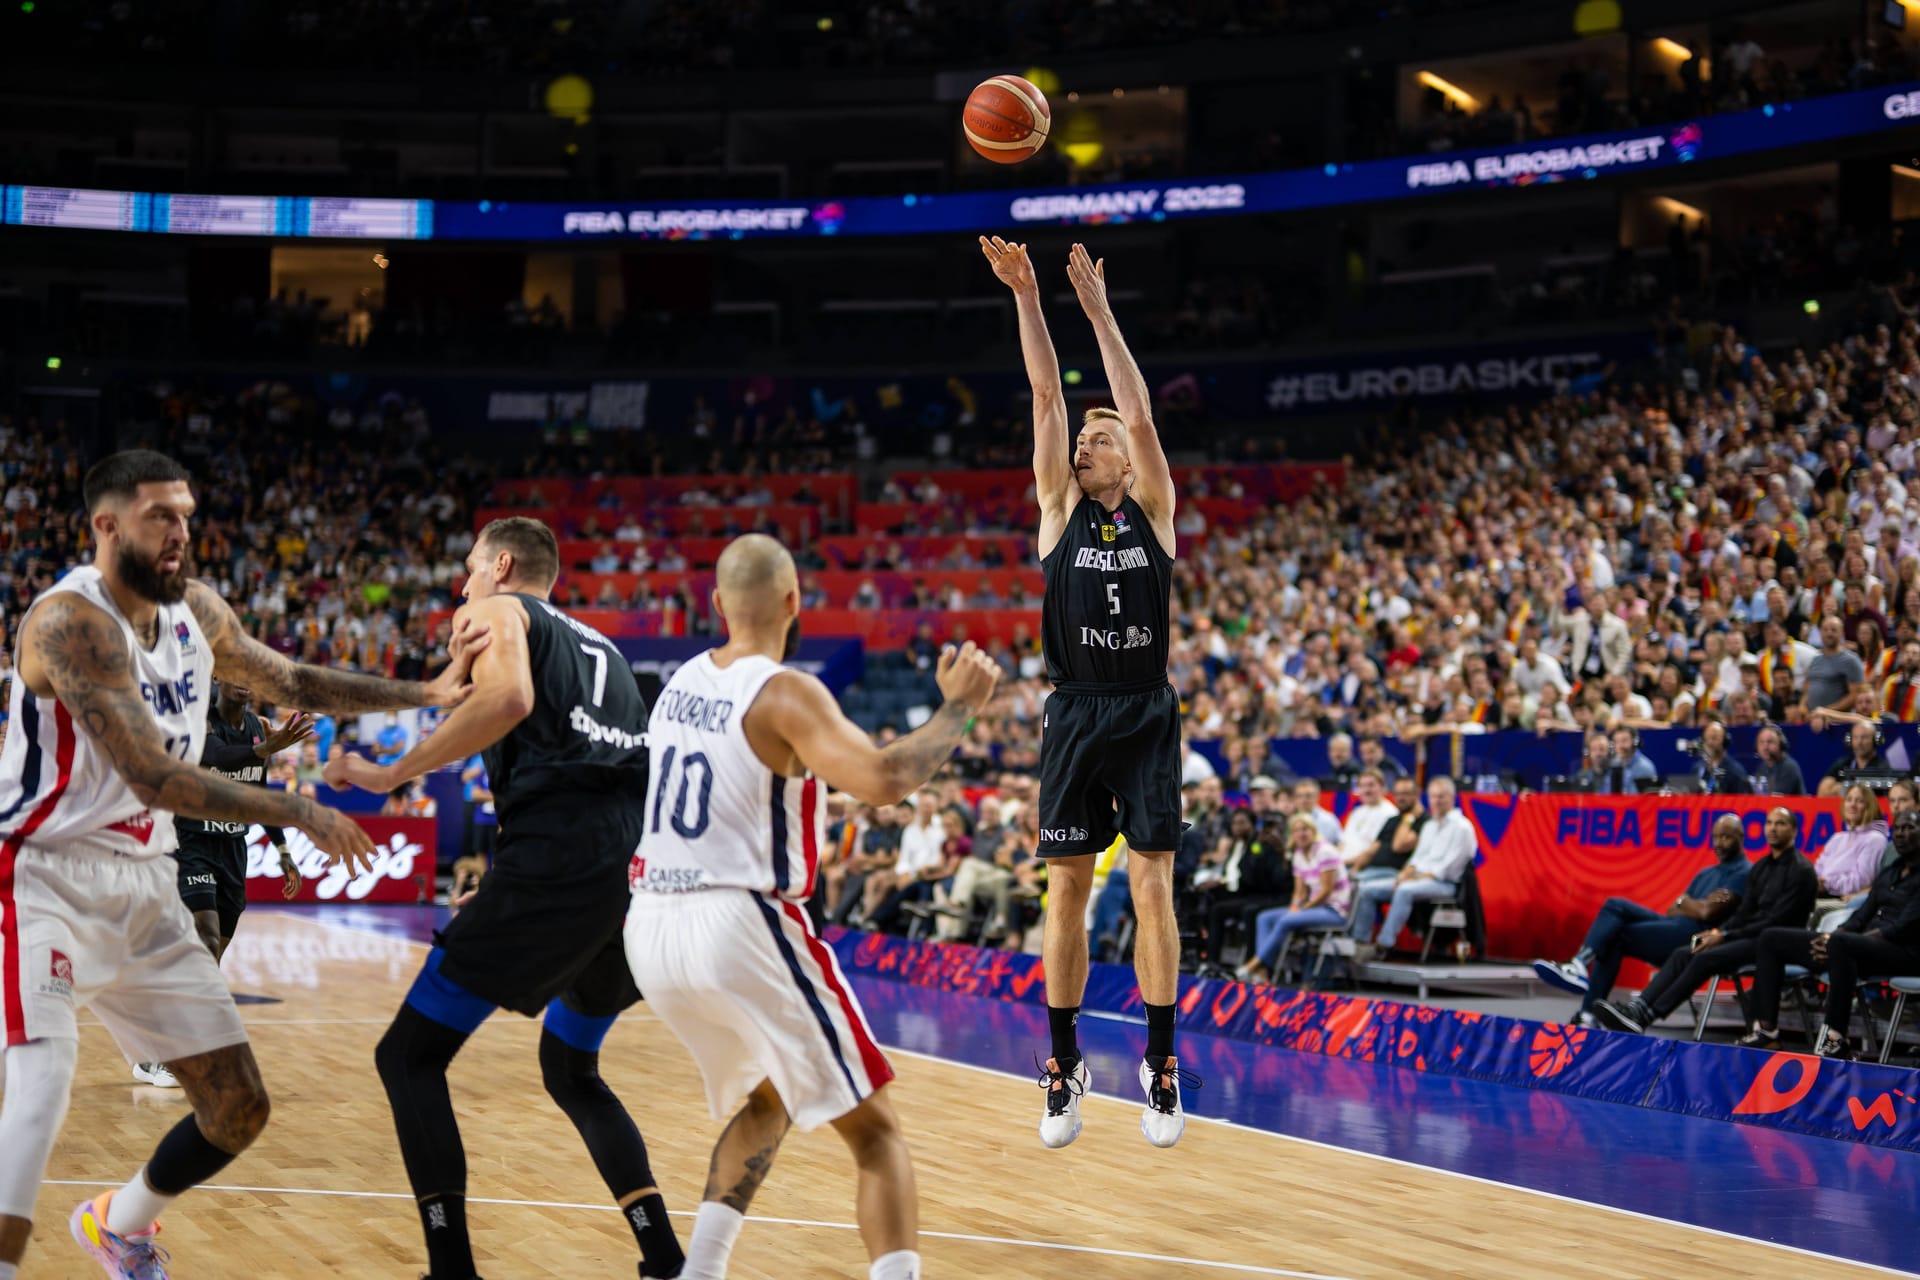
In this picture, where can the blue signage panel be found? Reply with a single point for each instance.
(1765, 128)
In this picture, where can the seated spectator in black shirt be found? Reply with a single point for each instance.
(1720, 774)
(1780, 891)
(1244, 876)
(1779, 773)
(1342, 768)
(1594, 765)
(1863, 751)
(1881, 939)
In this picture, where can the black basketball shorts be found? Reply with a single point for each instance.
(213, 875)
(547, 923)
(1110, 763)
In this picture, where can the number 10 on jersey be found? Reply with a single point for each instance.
(697, 797)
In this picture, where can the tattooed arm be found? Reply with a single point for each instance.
(72, 650)
(237, 656)
(795, 719)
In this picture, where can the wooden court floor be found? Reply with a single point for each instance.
(323, 1192)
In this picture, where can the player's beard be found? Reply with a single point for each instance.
(792, 645)
(145, 580)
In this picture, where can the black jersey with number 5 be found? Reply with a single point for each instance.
(1105, 617)
(583, 746)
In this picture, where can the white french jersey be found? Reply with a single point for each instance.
(717, 817)
(58, 790)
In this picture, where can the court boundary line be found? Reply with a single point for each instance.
(1559, 1197)
(963, 1237)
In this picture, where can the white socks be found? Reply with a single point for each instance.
(135, 1207)
(903, 1265)
(715, 1229)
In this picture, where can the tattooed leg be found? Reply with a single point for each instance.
(229, 1111)
(744, 1154)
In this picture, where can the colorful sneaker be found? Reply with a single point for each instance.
(134, 1257)
(1162, 1120)
(1568, 975)
(1060, 1123)
(156, 1074)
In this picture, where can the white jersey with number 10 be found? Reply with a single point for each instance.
(717, 817)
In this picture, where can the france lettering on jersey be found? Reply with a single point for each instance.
(57, 789)
(717, 817)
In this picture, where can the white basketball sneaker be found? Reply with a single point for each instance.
(1162, 1120)
(1060, 1123)
(155, 1074)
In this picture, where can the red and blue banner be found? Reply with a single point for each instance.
(1548, 862)
(1849, 1101)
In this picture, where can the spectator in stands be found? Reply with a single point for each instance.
(1851, 857)
(923, 839)
(1779, 772)
(1538, 676)
(1780, 891)
(1360, 839)
(1863, 753)
(1445, 850)
(1194, 767)
(1322, 896)
(1902, 796)
(1399, 837)
(1834, 678)
(1630, 771)
(391, 742)
(1250, 875)
(1306, 799)
(1880, 939)
(1625, 930)
(879, 851)
(1342, 768)
(1719, 773)
(1373, 755)
(1900, 691)
(1595, 763)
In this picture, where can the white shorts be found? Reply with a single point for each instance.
(86, 931)
(745, 984)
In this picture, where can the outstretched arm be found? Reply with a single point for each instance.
(1153, 478)
(1052, 458)
(796, 709)
(74, 651)
(237, 656)
(502, 698)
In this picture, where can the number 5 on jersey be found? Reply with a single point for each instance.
(1113, 597)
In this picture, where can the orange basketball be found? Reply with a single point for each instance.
(1006, 119)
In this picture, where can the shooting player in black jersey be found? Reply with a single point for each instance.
(1110, 736)
(562, 726)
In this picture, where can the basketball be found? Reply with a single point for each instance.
(1006, 119)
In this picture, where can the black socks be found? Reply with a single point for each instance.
(1159, 1033)
(412, 1059)
(1066, 1039)
(659, 1247)
(444, 1220)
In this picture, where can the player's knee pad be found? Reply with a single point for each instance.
(39, 1076)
